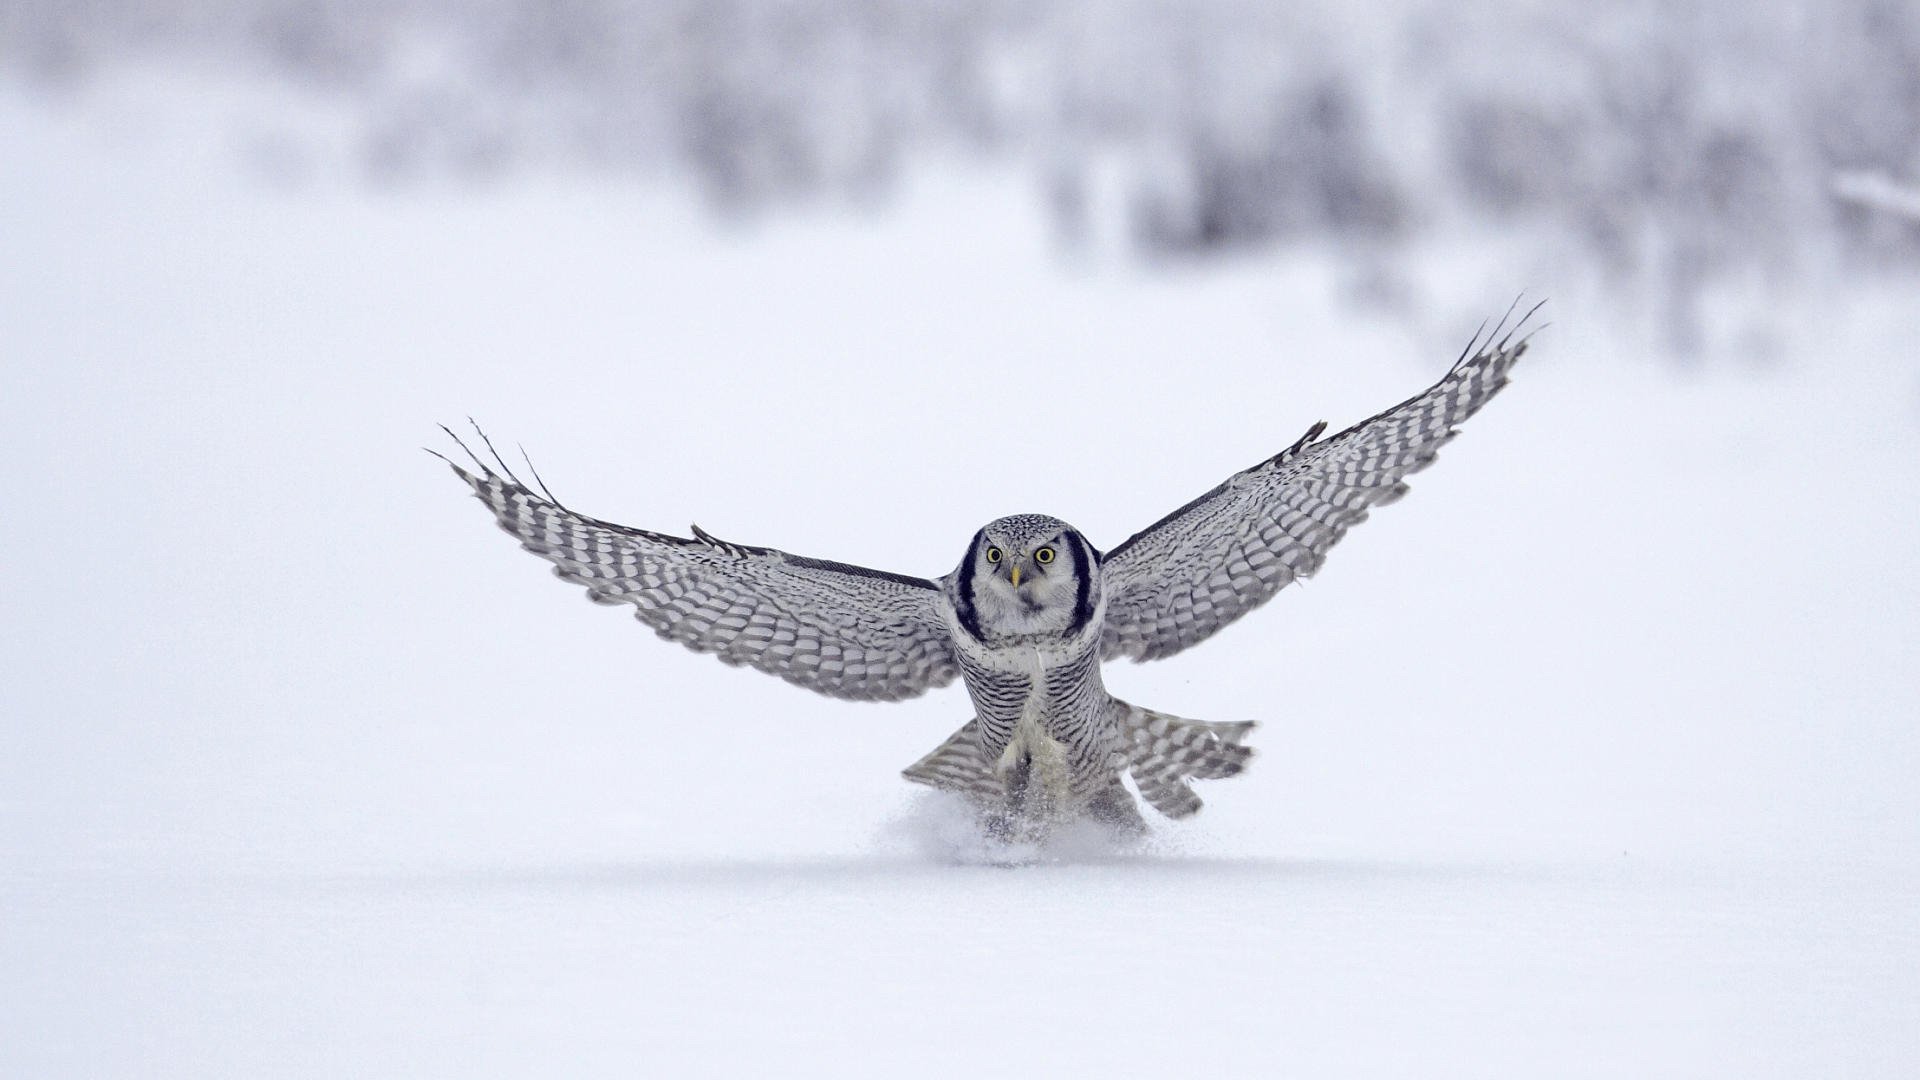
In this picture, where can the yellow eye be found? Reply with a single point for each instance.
(993, 554)
(1043, 556)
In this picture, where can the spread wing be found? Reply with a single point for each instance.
(1227, 552)
(844, 631)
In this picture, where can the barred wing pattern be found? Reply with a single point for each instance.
(1229, 551)
(844, 631)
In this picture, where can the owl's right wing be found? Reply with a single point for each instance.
(844, 631)
(1220, 556)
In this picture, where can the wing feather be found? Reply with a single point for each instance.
(1180, 580)
(841, 630)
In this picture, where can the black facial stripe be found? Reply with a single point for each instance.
(1082, 584)
(963, 588)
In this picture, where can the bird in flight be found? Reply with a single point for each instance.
(1030, 613)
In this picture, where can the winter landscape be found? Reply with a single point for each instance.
(1595, 756)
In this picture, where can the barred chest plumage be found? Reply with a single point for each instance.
(1045, 705)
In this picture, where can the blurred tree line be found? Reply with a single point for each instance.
(1672, 146)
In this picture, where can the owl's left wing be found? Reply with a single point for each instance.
(1229, 551)
(840, 630)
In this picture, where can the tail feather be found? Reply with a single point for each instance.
(958, 765)
(1161, 752)
(1165, 752)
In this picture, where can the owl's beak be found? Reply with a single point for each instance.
(1014, 573)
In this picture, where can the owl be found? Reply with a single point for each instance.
(1028, 616)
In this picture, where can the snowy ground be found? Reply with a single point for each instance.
(1594, 757)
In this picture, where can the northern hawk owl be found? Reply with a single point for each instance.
(1029, 615)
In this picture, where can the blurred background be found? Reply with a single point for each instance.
(1594, 756)
(1698, 167)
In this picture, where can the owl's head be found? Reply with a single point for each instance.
(1027, 574)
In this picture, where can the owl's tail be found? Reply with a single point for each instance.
(958, 765)
(1164, 752)
(1160, 751)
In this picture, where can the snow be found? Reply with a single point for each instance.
(1594, 756)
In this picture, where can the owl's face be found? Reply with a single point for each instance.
(1028, 574)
